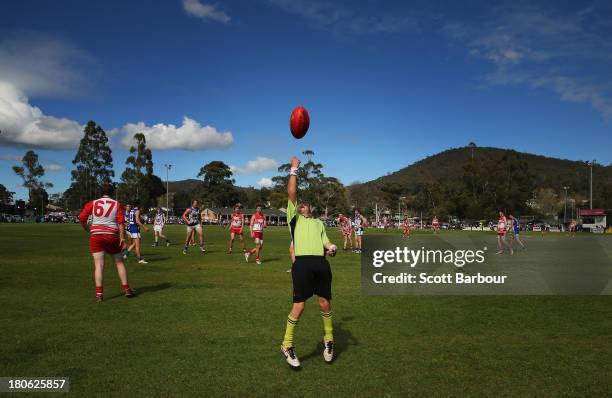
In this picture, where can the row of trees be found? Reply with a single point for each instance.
(486, 183)
(326, 195)
(487, 186)
(93, 167)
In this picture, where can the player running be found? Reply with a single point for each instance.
(515, 226)
(158, 227)
(406, 228)
(134, 225)
(256, 226)
(435, 224)
(358, 224)
(311, 273)
(193, 220)
(236, 227)
(572, 228)
(502, 226)
(107, 236)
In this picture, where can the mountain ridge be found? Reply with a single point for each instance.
(448, 164)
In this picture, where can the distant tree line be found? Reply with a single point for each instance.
(468, 183)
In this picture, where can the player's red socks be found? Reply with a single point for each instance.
(99, 290)
(125, 287)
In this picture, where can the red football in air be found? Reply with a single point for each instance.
(299, 122)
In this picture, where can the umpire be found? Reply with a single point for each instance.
(310, 272)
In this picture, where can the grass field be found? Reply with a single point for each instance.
(210, 325)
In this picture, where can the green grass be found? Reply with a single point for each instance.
(211, 325)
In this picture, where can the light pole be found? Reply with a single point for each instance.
(168, 167)
(592, 163)
(565, 210)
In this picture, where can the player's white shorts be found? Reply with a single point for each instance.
(134, 235)
(158, 228)
(196, 227)
(358, 231)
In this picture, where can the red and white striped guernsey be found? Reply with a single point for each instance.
(106, 216)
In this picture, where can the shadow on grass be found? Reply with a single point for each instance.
(153, 288)
(155, 259)
(343, 339)
(145, 289)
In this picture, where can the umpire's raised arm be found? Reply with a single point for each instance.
(292, 183)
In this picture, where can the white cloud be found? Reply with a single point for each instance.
(23, 124)
(32, 64)
(11, 158)
(189, 136)
(572, 90)
(260, 164)
(54, 167)
(205, 11)
(265, 182)
(35, 65)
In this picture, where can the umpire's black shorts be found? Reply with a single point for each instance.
(311, 275)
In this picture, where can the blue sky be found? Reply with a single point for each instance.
(385, 85)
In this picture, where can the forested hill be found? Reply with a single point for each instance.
(474, 182)
(449, 165)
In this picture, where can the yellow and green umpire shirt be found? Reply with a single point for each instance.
(308, 233)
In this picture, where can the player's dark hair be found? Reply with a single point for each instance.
(107, 189)
(259, 205)
(357, 210)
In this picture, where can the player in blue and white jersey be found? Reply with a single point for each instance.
(515, 225)
(133, 228)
